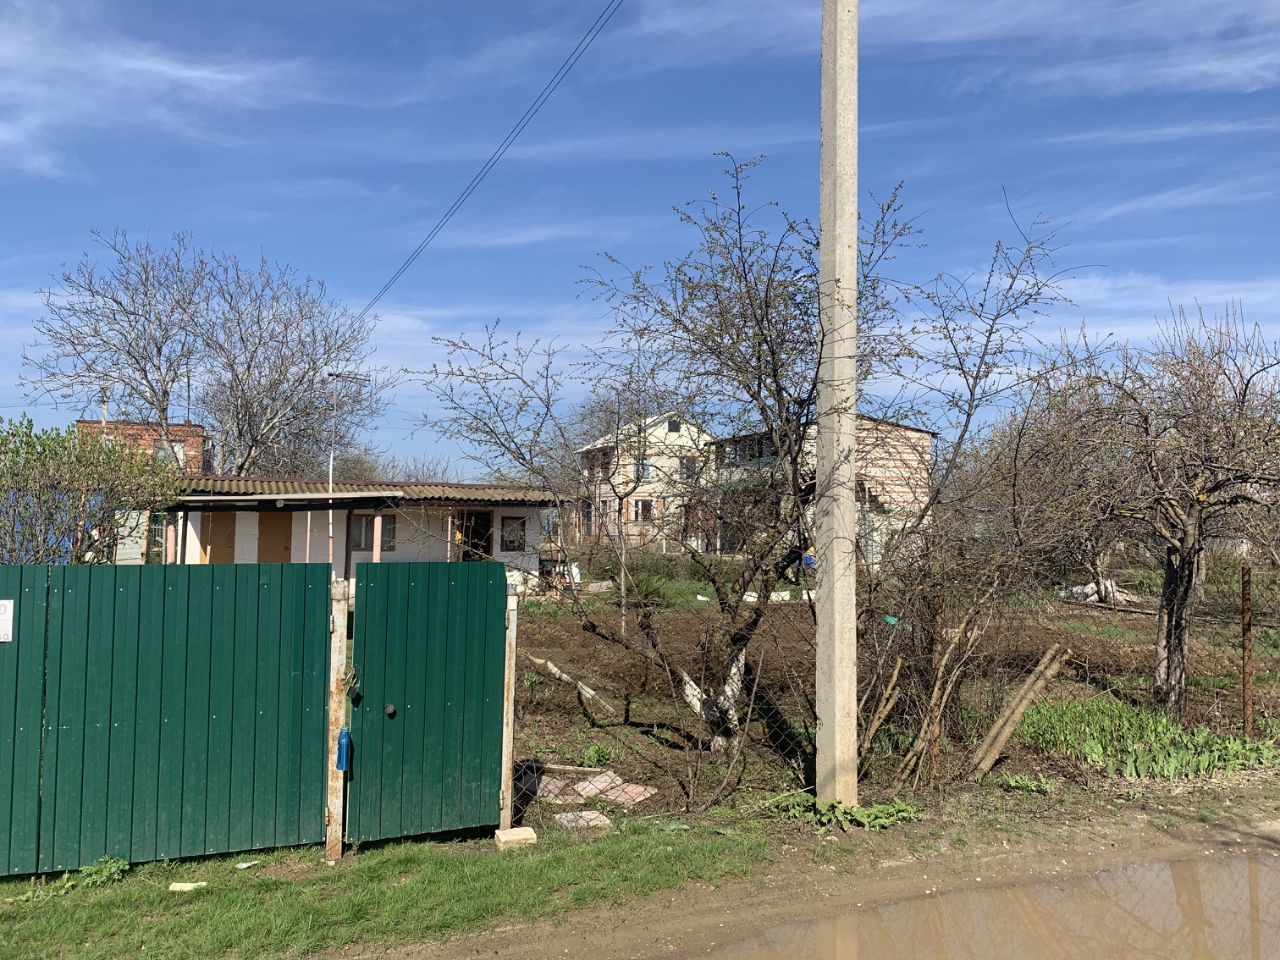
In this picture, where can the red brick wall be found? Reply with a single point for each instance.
(143, 437)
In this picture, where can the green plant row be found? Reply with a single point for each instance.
(834, 815)
(1133, 742)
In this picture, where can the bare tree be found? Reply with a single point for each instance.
(1183, 434)
(367, 466)
(123, 335)
(179, 332)
(730, 333)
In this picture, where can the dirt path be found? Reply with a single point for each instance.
(805, 883)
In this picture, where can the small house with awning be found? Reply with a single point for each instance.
(255, 520)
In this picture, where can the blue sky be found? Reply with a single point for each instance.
(331, 135)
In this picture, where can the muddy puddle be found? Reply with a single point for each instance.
(1184, 910)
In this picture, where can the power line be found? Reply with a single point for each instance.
(557, 78)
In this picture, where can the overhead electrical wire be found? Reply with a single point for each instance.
(513, 134)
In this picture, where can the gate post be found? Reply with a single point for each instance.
(508, 712)
(335, 779)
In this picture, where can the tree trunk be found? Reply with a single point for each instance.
(1177, 602)
(1161, 667)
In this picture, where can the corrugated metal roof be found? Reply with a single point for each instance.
(441, 492)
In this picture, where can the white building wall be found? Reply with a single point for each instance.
(246, 537)
(422, 535)
(319, 547)
(194, 550)
(133, 532)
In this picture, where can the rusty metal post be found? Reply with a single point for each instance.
(335, 779)
(1246, 646)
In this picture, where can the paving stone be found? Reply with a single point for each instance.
(598, 784)
(583, 820)
(628, 794)
(515, 837)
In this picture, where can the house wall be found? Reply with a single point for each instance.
(133, 527)
(895, 464)
(194, 552)
(143, 437)
(319, 548)
(663, 450)
(422, 534)
(246, 538)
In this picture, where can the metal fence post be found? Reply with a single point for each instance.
(1246, 646)
(335, 779)
(508, 713)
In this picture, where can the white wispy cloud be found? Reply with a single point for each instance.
(1207, 129)
(1131, 304)
(65, 71)
(407, 330)
(1240, 65)
(665, 143)
(621, 143)
(1106, 47)
(682, 33)
(1063, 22)
(1222, 191)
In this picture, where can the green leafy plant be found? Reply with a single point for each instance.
(530, 679)
(832, 814)
(595, 756)
(1023, 783)
(648, 590)
(1130, 741)
(104, 872)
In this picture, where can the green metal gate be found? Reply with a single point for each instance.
(429, 652)
(184, 712)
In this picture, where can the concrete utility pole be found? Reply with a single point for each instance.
(837, 501)
(334, 377)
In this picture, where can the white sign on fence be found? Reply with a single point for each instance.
(6, 621)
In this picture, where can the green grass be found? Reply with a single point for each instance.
(292, 905)
(1024, 783)
(1134, 742)
(1228, 681)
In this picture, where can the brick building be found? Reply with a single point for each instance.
(188, 444)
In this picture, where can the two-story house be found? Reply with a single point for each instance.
(632, 480)
(642, 481)
(893, 464)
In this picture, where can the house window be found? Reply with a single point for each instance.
(362, 532)
(642, 470)
(514, 537)
(588, 517)
(643, 510)
(673, 426)
(174, 453)
(157, 526)
(688, 469)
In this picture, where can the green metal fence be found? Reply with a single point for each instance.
(184, 712)
(429, 652)
(24, 591)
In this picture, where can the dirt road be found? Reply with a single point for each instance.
(822, 882)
